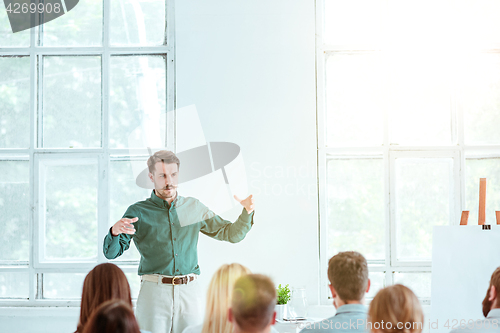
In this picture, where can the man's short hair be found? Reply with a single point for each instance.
(348, 274)
(164, 156)
(254, 301)
(494, 281)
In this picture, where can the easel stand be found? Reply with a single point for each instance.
(482, 207)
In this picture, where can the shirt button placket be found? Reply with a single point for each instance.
(172, 235)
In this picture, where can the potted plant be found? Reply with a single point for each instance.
(283, 297)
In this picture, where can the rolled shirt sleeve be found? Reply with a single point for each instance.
(216, 227)
(114, 246)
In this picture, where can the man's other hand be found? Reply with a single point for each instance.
(248, 203)
(124, 226)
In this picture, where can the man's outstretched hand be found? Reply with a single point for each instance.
(247, 203)
(124, 226)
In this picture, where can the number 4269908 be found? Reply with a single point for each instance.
(32, 8)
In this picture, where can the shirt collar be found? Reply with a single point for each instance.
(494, 313)
(351, 308)
(162, 203)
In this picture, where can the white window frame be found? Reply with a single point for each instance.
(35, 267)
(456, 150)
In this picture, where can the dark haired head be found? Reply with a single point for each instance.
(495, 282)
(103, 283)
(115, 316)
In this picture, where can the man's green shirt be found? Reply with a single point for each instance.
(167, 235)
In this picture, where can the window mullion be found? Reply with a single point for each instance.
(171, 102)
(39, 118)
(32, 177)
(103, 183)
(323, 228)
(461, 179)
(170, 118)
(39, 290)
(458, 187)
(103, 204)
(461, 145)
(454, 115)
(321, 158)
(391, 203)
(39, 213)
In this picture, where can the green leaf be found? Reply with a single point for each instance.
(283, 294)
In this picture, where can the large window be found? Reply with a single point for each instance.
(408, 116)
(76, 96)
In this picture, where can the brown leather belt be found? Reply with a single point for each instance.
(173, 280)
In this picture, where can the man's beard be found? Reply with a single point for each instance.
(166, 191)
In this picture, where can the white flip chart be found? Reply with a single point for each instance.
(463, 259)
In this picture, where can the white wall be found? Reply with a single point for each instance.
(249, 67)
(40, 320)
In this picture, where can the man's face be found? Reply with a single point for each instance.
(165, 179)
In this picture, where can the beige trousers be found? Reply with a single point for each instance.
(164, 308)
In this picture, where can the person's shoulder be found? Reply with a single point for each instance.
(316, 326)
(146, 203)
(487, 325)
(135, 209)
(341, 322)
(463, 329)
(188, 202)
(193, 329)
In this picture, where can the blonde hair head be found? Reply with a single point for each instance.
(219, 295)
(398, 308)
(253, 303)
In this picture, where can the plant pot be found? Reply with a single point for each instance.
(281, 311)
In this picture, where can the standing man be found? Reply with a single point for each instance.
(169, 299)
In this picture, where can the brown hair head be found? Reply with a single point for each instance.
(398, 309)
(348, 274)
(494, 281)
(103, 283)
(164, 156)
(114, 316)
(253, 302)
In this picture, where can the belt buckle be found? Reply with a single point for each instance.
(173, 281)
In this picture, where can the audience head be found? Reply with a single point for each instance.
(220, 292)
(395, 309)
(491, 300)
(253, 303)
(114, 316)
(103, 283)
(348, 275)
